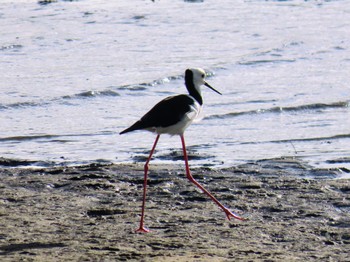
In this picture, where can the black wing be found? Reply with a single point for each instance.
(166, 113)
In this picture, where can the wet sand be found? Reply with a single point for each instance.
(90, 213)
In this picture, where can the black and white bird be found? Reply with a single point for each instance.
(172, 116)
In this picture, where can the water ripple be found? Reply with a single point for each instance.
(308, 139)
(309, 107)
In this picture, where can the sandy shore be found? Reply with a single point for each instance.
(90, 213)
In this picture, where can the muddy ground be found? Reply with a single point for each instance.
(90, 213)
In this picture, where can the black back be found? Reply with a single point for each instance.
(166, 113)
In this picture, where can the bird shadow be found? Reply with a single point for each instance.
(175, 155)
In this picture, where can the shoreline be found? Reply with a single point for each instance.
(90, 213)
(294, 164)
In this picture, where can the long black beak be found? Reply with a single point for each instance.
(212, 88)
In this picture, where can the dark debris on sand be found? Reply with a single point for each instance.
(90, 213)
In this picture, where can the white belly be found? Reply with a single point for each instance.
(180, 127)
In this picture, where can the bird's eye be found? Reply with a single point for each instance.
(203, 75)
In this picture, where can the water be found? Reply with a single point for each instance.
(74, 74)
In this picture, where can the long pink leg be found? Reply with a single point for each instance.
(228, 212)
(142, 228)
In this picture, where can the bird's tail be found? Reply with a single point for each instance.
(136, 126)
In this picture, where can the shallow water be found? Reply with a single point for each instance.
(74, 74)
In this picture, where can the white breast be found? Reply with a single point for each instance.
(180, 127)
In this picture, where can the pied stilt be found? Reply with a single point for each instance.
(172, 116)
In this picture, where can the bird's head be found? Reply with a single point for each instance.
(195, 78)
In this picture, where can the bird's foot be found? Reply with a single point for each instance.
(230, 214)
(142, 229)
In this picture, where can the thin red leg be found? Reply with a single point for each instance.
(228, 212)
(142, 228)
